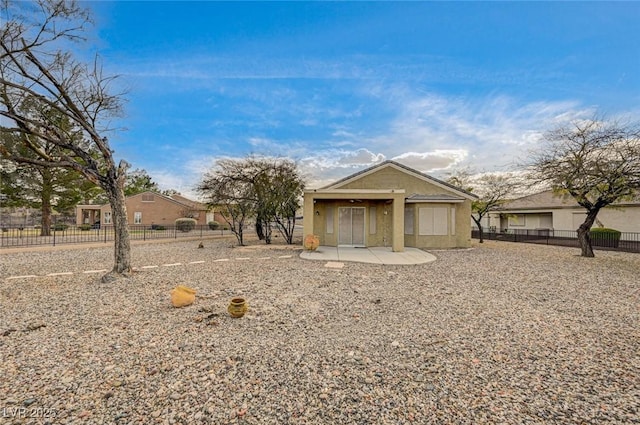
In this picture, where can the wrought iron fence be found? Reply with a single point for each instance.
(18, 236)
(626, 241)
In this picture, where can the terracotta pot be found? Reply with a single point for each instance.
(311, 242)
(237, 307)
(182, 296)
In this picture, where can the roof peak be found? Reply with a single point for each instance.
(406, 168)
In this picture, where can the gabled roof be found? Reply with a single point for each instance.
(193, 204)
(549, 200)
(176, 199)
(405, 169)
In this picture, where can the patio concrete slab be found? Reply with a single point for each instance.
(374, 255)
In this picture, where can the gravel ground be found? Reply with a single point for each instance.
(503, 334)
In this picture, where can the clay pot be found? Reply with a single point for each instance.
(311, 242)
(182, 296)
(237, 307)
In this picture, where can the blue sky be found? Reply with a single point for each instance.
(339, 86)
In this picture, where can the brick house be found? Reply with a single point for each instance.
(150, 208)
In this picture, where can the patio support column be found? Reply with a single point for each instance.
(397, 241)
(307, 214)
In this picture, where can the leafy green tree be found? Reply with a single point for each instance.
(139, 181)
(595, 161)
(44, 188)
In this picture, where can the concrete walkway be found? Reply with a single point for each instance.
(376, 255)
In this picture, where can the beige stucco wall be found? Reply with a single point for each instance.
(391, 178)
(624, 219)
(317, 202)
(379, 235)
(459, 233)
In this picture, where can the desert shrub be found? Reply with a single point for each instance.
(85, 227)
(185, 224)
(60, 227)
(214, 225)
(602, 236)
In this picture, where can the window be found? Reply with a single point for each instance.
(137, 217)
(433, 221)
(107, 217)
(329, 212)
(148, 197)
(408, 220)
(517, 220)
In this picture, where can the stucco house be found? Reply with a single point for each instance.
(546, 210)
(149, 208)
(389, 204)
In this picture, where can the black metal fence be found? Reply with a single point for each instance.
(626, 241)
(15, 237)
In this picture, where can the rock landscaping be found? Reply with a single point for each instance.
(499, 334)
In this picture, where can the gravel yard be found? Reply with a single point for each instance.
(501, 334)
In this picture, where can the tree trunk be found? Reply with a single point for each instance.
(480, 230)
(584, 237)
(45, 229)
(266, 228)
(259, 229)
(122, 245)
(45, 199)
(286, 229)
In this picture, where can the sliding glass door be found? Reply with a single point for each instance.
(351, 226)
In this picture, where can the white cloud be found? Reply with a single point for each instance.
(439, 159)
(425, 131)
(360, 157)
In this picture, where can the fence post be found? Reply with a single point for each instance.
(54, 237)
(144, 233)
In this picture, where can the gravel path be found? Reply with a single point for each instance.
(501, 334)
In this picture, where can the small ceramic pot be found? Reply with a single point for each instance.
(237, 307)
(182, 296)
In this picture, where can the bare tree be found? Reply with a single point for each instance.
(277, 186)
(493, 191)
(594, 161)
(268, 189)
(226, 186)
(48, 96)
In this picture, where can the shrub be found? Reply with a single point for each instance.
(85, 227)
(185, 224)
(214, 225)
(158, 227)
(602, 236)
(60, 227)
(311, 242)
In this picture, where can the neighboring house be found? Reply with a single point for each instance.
(389, 204)
(149, 208)
(545, 210)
